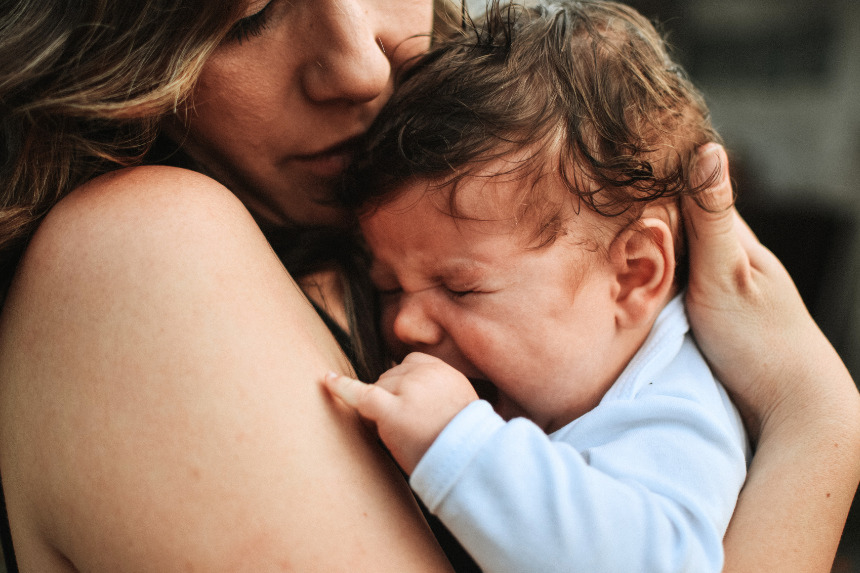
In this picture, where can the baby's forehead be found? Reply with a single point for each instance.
(477, 202)
(530, 201)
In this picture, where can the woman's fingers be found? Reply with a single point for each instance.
(713, 163)
(719, 239)
(711, 235)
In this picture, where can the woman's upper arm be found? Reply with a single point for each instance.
(160, 406)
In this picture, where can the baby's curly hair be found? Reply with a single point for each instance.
(586, 88)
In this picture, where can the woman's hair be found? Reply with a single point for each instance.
(83, 86)
(585, 88)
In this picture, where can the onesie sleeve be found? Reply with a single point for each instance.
(635, 485)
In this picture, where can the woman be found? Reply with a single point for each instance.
(160, 406)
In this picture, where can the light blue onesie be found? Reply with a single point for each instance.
(645, 482)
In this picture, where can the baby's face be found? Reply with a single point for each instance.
(537, 323)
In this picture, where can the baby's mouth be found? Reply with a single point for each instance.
(501, 403)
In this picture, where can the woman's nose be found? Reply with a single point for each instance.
(413, 326)
(350, 61)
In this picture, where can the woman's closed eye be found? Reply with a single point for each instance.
(250, 26)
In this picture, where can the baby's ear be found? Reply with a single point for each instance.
(643, 260)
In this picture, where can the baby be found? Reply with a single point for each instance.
(520, 199)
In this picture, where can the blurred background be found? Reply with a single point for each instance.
(782, 80)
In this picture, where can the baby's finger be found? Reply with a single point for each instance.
(419, 358)
(347, 389)
(370, 401)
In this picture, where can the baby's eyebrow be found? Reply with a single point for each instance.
(384, 276)
(462, 269)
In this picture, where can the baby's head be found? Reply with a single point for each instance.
(519, 194)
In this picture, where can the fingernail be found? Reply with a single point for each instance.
(708, 164)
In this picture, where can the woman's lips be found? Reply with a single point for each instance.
(328, 163)
(325, 165)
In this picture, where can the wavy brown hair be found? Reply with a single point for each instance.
(83, 86)
(587, 88)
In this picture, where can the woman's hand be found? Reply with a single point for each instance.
(746, 313)
(799, 402)
(410, 404)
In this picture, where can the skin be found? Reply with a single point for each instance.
(185, 430)
(800, 403)
(474, 295)
(159, 398)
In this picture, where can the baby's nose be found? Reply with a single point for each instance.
(414, 326)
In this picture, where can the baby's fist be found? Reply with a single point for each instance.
(411, 403)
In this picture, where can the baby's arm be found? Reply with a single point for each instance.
(651, 490)
(654, 488)
(410, 404)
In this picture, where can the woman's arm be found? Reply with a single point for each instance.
(160, 405)
(801, 406)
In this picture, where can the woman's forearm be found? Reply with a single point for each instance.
(804, 473)
(801, 407)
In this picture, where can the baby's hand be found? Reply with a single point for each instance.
(410, 404)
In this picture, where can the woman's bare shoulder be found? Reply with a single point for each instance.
(146, 190)
(147, 236)
(134, 212)
(159, 398)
